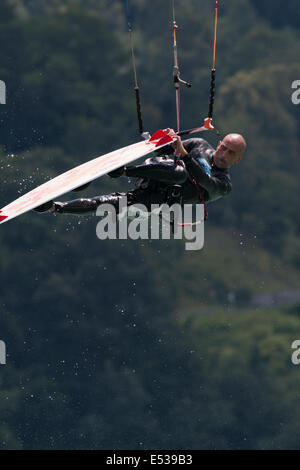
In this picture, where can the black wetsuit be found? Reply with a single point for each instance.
(162, 180)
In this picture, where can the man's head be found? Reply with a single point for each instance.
(229, 151)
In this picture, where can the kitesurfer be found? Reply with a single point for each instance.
(196, 173)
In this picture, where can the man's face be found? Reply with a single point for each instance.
(227, 153)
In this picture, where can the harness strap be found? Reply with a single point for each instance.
(201, 197)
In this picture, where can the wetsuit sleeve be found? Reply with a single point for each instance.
(197, 147)
(217, 184)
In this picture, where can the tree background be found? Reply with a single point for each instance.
(141, 344)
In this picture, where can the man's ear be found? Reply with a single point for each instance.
(239, 159)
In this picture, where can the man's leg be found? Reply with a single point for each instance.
(86, 205)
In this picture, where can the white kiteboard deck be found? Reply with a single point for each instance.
(82, 174)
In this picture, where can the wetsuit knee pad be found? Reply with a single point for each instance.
(180, 174)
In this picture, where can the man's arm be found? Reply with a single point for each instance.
(217, 185)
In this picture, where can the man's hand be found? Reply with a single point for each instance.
(47, 206)
(177, 145)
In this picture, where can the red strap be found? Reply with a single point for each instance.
(201, 197)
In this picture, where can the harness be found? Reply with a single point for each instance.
(201, 197)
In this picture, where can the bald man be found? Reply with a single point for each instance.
(195, 172)
(208, 168)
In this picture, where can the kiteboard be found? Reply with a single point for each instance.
(83, 174)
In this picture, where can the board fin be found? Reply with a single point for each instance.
(164, 140)
(3, 217)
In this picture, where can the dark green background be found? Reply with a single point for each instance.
(141, 344)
